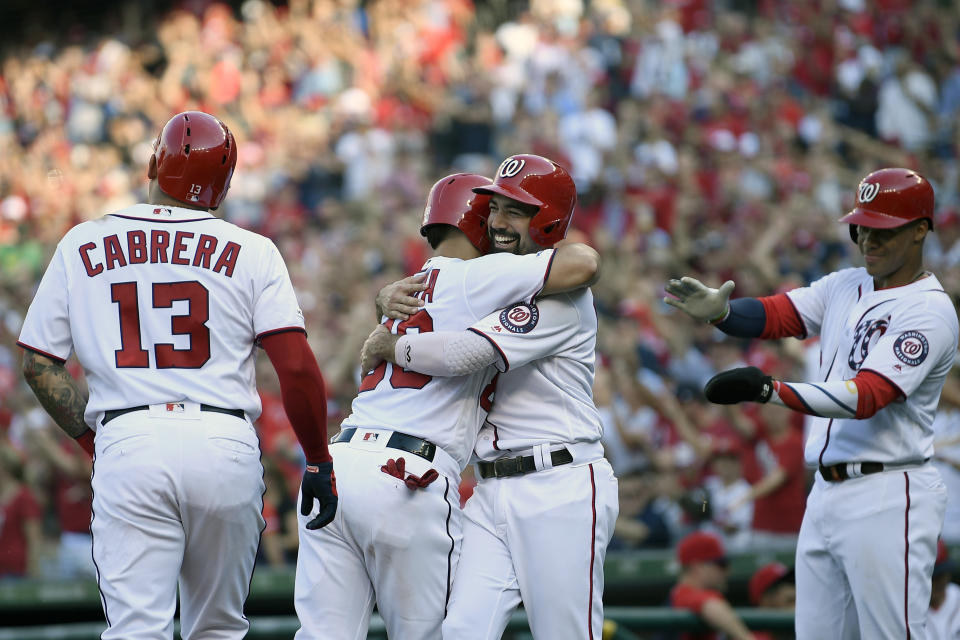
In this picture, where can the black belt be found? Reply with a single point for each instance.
(115, 413)
(838, 472)
(520, 465)
(411, 444)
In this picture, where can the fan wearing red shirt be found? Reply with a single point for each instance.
(19, 520)
(703, 579)
(779, 496)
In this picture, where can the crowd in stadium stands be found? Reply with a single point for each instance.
(714, 139)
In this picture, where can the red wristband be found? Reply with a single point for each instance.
(85, 440)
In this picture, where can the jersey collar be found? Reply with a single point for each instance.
(928, 282)
(162, 213)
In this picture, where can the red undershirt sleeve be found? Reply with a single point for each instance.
(783, 320)
(302, 389)
(874, 392)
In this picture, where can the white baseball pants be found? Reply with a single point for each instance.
(865, 555)
(176, 499)
(540, 538)
(386, 544)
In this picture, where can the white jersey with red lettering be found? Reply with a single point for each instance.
(163, 307)
(885, 516)
(446, 411)
(389, 544)
(517, 526)
(162, 304)
(906, 334)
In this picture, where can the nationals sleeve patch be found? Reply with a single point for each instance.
(911, 347)
(520, 318)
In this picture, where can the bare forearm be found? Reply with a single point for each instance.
(721, 616)
(58, 392)
(769, 483)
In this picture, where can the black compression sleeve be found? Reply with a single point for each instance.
(747, 319)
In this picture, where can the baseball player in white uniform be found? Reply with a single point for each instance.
(888, 337)
(538, 524)
(163, 304)
(396, 537)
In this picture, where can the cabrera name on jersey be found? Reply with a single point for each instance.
(906, 334)
(157, 301)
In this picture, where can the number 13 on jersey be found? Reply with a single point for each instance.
(132, 355)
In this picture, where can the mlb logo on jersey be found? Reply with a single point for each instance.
(176, 407)
(369, 436)
(162, 211)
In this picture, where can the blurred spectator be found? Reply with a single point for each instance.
(906, 104)
(644, 518)
(279, 540)
(68, 477)
(946, 427)
(943, 620)
(732, 512)
(773, 586)
(703, 579)
(779, 496)
(20, 536)
(717, 141)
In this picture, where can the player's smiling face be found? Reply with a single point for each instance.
(889, 254)
(509, 226)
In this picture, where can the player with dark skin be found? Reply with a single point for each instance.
(894, 257)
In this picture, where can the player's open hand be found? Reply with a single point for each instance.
(320, 484)
(697, 300)
(396, 299)
(377, 348)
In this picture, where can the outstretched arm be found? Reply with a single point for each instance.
(857, 398)
(60, 394)
(767, 317)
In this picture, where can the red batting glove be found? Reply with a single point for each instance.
(414, 482)
(394, 467)
(397, 469)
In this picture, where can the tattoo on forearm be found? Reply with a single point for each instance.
(59, 393)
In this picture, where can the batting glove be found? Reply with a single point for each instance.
(699, 301)
(397, 469)
(746, 384)
(319, 483)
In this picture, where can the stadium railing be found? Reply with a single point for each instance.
(620, 624)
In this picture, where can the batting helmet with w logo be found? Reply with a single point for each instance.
(543, 183)
(890, 198)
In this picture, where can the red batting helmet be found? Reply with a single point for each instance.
(543, 183)
(890, 198)
(196, 155)
(452, 201)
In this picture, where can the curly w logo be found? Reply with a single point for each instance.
(865, 336)
(868, 191)
(511, 167)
